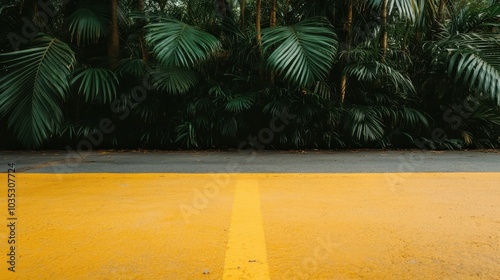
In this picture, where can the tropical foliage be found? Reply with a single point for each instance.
(283, 74)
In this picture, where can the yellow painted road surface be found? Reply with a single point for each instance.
(254, 226)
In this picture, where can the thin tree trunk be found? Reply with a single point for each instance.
(114, 39)
(140, 8)
(273, 14)
(383, 40)
(257, 23)
(440, 16)
(348, 38)
(242, 15)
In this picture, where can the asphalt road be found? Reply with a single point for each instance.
(180, 215)
(253, 162)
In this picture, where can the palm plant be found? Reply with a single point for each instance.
(97, 84)
(354, 73)
(36, 83)
(89, 23)
(304, 52)
(178, 44)
(470, 51)
(465, 54)
(473, 60)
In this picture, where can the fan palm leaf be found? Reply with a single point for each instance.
(239, 103)
(304, 52)
(89, 23)
(364, 123)
(97, 84)
(176, 43)
(411, 117)
(229, 127)
(36, 82)
(186, 134)
(276, 107)
(406, 8)
(474, 59)
(371, 71)
(174, 80)
(132, 66)
(412, 10)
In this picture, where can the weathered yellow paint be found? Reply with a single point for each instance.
(316, 226)
(118, 226)
(246, 256)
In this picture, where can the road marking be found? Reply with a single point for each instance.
(246, 256)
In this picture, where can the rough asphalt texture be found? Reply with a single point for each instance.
(253, 162)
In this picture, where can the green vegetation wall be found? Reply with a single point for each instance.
(283, 74)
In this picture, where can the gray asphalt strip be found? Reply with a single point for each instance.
(253, 162)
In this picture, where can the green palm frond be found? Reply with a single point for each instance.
(429, 10)
(486, 115)
(186, 134)
(363, 123)
(323, 89)
(407, 9)
(76, 129)
(73, 129)
(304, 52)
(217, 91)
(89, 23)
(149, 109)
(469, 20)
(174, 80)
(178, 44)
(97, 84)
(229, 127)
(277, 107)
(371, 71)
(36, 82)
(239, 103)
(366, 51)
(411, 117)
(132, 66)
(124, 12)
(474, 59)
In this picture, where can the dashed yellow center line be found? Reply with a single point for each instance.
(246, 256)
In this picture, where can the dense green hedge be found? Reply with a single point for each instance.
(195, 76)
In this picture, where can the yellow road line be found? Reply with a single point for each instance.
(246, 256)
